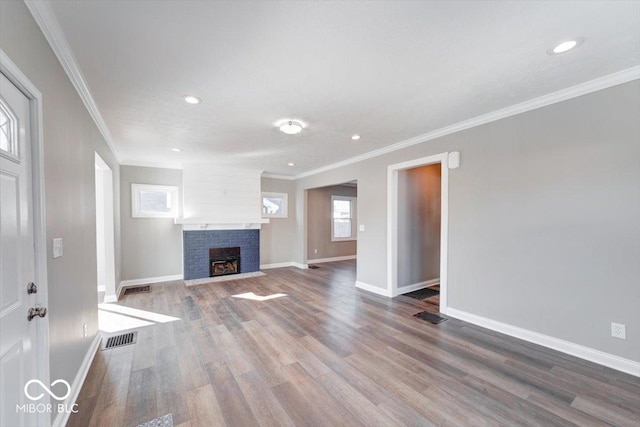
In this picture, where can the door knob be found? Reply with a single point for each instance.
(36, 311)
(32, 288)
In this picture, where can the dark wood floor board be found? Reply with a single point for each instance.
(329, 354)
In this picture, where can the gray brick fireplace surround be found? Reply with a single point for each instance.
(198, 242)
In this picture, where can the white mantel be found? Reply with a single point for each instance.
(220, 198)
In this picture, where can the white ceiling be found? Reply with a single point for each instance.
(388, 71)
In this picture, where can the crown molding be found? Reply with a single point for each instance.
(585, 88)
(151, 164)
(45, 18)
(276, 176)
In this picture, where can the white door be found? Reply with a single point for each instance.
(18, 335)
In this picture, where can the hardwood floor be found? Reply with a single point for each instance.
(328, 354)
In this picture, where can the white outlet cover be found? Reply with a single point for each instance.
(361, 227)
(618, 330)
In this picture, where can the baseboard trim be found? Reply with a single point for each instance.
(301, 266)
(63, 417)
(373, 289)
(416, 286)
(596, 356)
(146, 281)
(276, 265)
(333, 259)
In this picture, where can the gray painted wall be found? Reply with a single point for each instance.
(151, 247)
(319, 223)
(544, 218)
(276, 237)
(419, 225)
(70, 140)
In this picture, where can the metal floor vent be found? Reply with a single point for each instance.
(120, 340)
(137, 289)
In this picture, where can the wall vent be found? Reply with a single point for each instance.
(137, 289)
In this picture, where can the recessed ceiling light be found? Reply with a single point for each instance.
(192, 99)
(291, 164)
(177, 150)
(355, 137)
(566, 46)
(290, 127)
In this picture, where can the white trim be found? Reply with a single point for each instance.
(585, 88)
(146, 281)
(301, 266)
(416, 286)
(596, 356)
(146, 164)
(277, 176)
(22, 82)
(373, 289)
(62, 417)
(392, 222)
(45, 18)
(276, 265)
(335, 258)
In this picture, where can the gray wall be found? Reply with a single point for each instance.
(70, 140)
(544, 218)
(419, 225)
(319, 223)
(151, 247)
(276, 237)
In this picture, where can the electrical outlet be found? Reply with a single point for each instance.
(618, 331)
(57, 248)
(315, 251)
(84, 330)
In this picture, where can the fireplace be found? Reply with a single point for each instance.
(223, 261)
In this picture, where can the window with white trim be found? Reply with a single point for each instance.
(154, 201)
(275, 205)
(343, 218)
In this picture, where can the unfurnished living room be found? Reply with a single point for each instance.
(319, 213)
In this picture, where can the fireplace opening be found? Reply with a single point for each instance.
(223, 261)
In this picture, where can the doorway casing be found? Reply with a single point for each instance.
(105, 238)
(392, 222)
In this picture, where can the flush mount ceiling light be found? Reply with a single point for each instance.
(290, 127)
(192, 99)
(566, 46)
(291, 164)
(177, 150)
(355, 137)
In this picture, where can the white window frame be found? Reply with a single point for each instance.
(137, 212)
(354, 218)
(285, 204)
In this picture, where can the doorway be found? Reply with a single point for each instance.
(417, 228)
(105, 245)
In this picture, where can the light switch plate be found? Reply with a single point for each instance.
(57, 248)
(361, 227)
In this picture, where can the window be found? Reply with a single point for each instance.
(274, 205)
(343, 218)
(8, 131)
(154, 201)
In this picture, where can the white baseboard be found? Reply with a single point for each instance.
(335, 258)
(62, 417)
(284, 264)
(101, 288)
(276, 265)
(596, 356)
(373, 289)
(111, 298)
(146, 281)
(416, 286)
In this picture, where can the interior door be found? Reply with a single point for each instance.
(18, 335)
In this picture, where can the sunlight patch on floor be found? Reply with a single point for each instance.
(254, 297)
(116, 318)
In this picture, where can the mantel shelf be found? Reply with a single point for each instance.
(213, 221)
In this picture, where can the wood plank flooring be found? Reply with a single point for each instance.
(328, 354)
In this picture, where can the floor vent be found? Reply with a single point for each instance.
(120, 340)
(430, 317)
(313, 267)
(137, 289)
